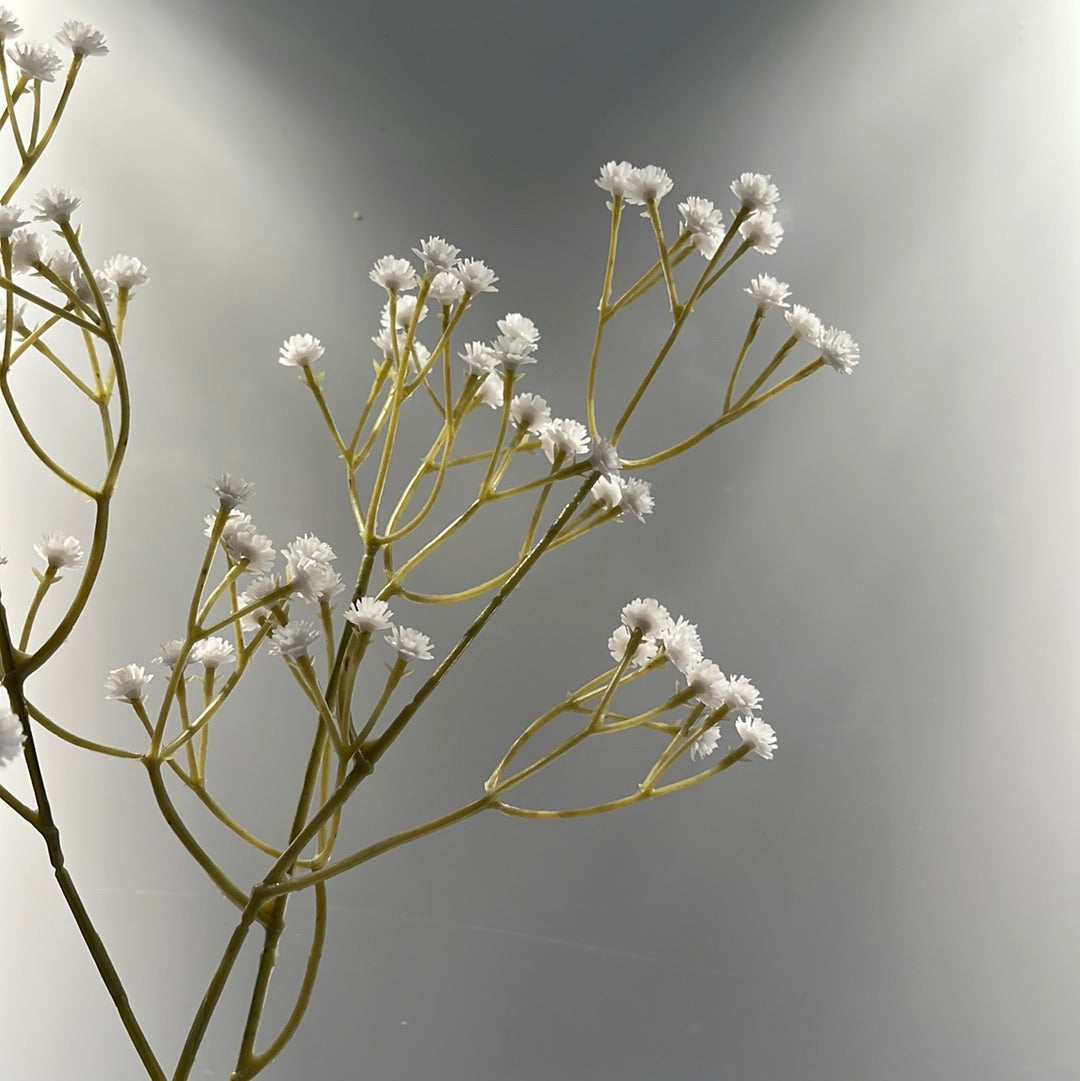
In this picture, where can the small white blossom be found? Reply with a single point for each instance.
(312, 580)
(530, 411)
(513, 352)
(707, 682)
(18, 320)
(257, 589)
(620, 638)
(804, 324)
(82, 38)
(763, 231)
(475, 276)
(127, 684)
(647, 615)
(410, 644)
(10, 219)
(126, 272)
(682, 644)
(768, 292)
(55, 204)
(9, 25)
(757, 735)
(59, 551)
(436, 254)
(637, 497)
(169, 655)
(300, 351)
(393, 274)
(608, 491)
(309, 546)
(605, 458)
(514, 325)
(27, 250)
(704, 223)
(446, 289)
(741, 695)
(706, 743)
(369, 614)
(615, 177)
(755, 191)
(294, 639)
(480, 357)
(491, 391)
(36, 61)
(11, 731)
(236, 522)
(565, 436)
(212, 652)
(232, 491)
(403, 313)
(253, 547)
(839, 349)
(648, 184)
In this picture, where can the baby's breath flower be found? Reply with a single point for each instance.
(706, 743)
(410, 644)
(620, 638)
(757, 735)
(446, 289)
(127, 684)
(55, 204)
(839, 349)
(704, 224)
(82, 38)
(480, 357)
(236, 522)
(294, 639)
(768, 292)
(763, 231)
(59, 551)
(648, 184)
(514, 325)
(707, 682)
(490, 391)
(804, 324)
(605, 458)
(636, 497)
(403, 314)
(9, 25)
(126, 272)
(608, 491)
(213, 651)
(36, 61)
(682, 644)
(18, 316)
(300, 351)
(11, 734)
(10, 219)
(27, 250)
(648, 615)
(436, 254)
(741, 695)
(257, 589)
(169, 655)
(369, 614)
(755, 191)
(475, 276)
(232, 491)
(253, 547)
(310, 547)
(615, 177)
(393, 274)
(566, 436)
(530, 411)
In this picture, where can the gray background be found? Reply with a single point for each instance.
(890, 556)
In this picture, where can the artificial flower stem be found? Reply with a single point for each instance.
(751, 333)
(769, 368)
(601, 319)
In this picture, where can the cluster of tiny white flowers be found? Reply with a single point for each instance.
(308, 569)
(626, 493)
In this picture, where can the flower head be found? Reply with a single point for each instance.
(615, 177)
(256, 549)
(636, 497)
(55, 204)
(11, 731)
(741, 696)
(757, 735)
(564, 436)
(10, 219)
(755, 191)
(27, 250)
(36, 61)
(605, 457)
(294, 639)
(300, 351)
(232, 491)
(704, 223)
(126, 273)
(446, 289)
(707, 682)
(369, 614)
(9, 25)
(212, 652)
(682, 644)
(839, 349)
(393, 274)
(59, 551)
(82, 38)
(169, 655)
(768, 292)
(530, 411)
(410, 644)
(648, 185)
(648, 615)
(763, 232)
(706, 743)
(436, 254)
(480, 358)
(127, 684)
(646, 651)
(257, 589)
(490, 391)
(804, 324)
(475, 276)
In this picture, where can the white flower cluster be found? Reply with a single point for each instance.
(678, 641)
(370, 614)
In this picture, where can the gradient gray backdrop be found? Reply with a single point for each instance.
(891, 556)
